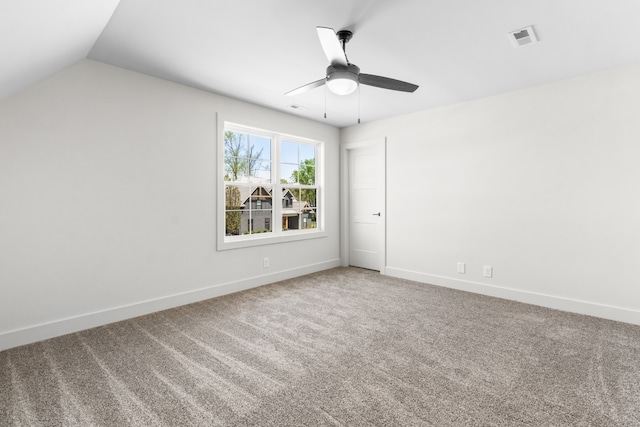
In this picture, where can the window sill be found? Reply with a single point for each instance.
(237, 242)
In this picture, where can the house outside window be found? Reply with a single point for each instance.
(271, 186)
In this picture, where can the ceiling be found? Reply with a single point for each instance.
(256, 50)
(41, 37)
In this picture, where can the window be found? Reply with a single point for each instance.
(298, 177)
(270, 187)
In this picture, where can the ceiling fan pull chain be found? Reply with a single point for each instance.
(325, 102)
(359, 89)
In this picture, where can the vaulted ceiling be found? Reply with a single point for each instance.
(256, 50)
(41, 37)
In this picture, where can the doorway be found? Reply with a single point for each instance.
(363, 199)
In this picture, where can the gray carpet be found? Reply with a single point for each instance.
(345, 347)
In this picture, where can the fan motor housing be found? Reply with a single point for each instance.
(338, 71)
(343, 80)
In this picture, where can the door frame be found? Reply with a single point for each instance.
(380, 144)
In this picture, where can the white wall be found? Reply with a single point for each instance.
(108, 196)
(543, 184)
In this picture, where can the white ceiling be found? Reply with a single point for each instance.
(256, 50)
(41, 37)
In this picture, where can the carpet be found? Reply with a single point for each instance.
(343, 347)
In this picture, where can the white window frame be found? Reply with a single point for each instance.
(277, 235)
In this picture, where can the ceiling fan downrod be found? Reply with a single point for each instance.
(344, 36)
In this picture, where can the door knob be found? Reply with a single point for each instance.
(378, 214)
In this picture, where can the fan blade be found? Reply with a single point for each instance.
(306, 87)
(386, 83)
(331, 46)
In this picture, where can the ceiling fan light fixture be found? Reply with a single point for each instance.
(341, 85)
(342, 80)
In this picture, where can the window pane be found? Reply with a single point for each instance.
(290, 222)
(288, 173)
(246, 157)
(306, 174)
(308, 195)
(235, 169)
(259, 171)
(307, 152)
(261, 221)
(233, 205)
(235, 144)
(296, 198)
(234, 199)
(261, 197)
(233, 196)
(308, 207)
(232, 222)
(289, 152)
(259, 147)
(258, 210)
(289, 212)
(290, 209)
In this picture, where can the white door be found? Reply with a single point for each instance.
(366, 206)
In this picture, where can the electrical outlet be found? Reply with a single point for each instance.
(266, 263)
(461, 267)
(488, 271)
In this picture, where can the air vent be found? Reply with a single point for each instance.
(523, 36)
(297, 107)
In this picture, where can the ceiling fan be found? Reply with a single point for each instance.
(342, 76)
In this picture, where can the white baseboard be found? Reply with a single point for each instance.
(550, 301)
(69, 325)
